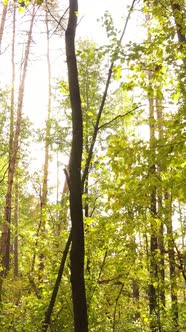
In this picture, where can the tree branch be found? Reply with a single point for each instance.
(96, 127)
(117, 117)
(48, 312)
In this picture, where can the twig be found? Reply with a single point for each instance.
(117, 117)
(58, 21)
(3, 177)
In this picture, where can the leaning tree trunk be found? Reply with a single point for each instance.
(76, 210)
(2, 24)
(5, 238)
(48, 312)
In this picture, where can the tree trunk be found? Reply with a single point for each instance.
(136, 297)
(76, 210)
(5, 238)
(50, 308)
(47, 132)
(172, 262)
(160, 202)
(13, 85)
(64, 208)
(2, 24)
(16, 213)
(44, 193)
(179, 20)
(153, 304)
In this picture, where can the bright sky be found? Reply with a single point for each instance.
(89, 12)
(35, 101)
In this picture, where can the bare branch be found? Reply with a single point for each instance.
(58, 21)
(96, 127)
(117, 117)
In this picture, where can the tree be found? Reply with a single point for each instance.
(5, 239)
(3, 20)
(76, 209)
(126, 177)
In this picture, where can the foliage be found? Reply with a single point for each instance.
(117, 199)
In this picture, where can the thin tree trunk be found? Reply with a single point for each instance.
(135, 284)
(64, 208)
(44, 193)
(114, 325)
(153, 304)
(16, 213)
(11, 126)
(2, 24)
(5, 239)
(181, 255)
(136, 296)
(50, 308)
(172, 261)
(13, 85)
(160, 203)
(11, 137)
(47, 134)
(102, 105)
(76, 209)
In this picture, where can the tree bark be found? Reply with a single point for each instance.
(76, 210)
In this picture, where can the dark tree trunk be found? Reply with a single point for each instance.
(172, 262)
(179, 20)
(136, 297)
(159, 114)
(153, 263)
(153, 291)
(49, 310)
(76, 210)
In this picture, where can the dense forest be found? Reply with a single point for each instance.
(93, 170)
